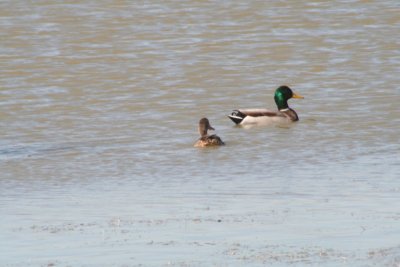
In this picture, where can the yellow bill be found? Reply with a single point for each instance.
(297, 96)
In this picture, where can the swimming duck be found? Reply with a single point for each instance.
(259, 116)
(205, 139)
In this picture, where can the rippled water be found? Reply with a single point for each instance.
(99, 108)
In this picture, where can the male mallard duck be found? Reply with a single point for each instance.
(207, 140)
(255, 116)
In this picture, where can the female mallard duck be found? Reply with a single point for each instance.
(256, 116)
(205, 139)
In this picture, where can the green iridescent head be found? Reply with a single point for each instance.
(282, 95)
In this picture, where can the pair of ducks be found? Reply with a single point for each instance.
(252, 116)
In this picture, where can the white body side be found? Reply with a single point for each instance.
(262, 120)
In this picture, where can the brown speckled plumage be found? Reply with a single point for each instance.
(205, 139)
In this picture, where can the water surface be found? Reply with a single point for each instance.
(99, 107)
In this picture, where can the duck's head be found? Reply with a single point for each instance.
(204, 126)
(282, 95)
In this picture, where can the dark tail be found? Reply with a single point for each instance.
(237, 116)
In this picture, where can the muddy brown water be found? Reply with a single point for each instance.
(99, 104)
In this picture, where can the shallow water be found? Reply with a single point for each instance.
(99, 109)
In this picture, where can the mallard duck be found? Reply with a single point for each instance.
(256, 116)
(205, 139)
